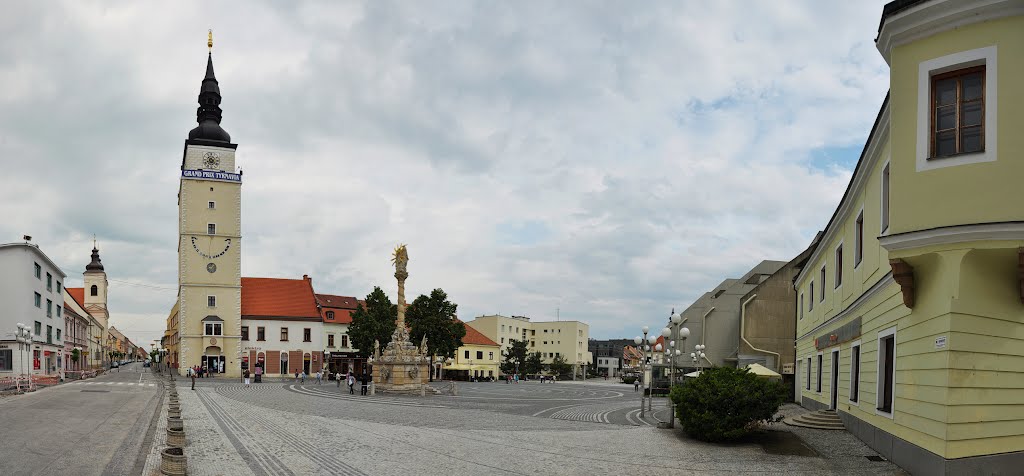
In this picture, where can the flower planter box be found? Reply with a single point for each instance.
(175, 423)
(175, 438)
(173, 462)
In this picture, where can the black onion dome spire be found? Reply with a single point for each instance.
(95, 265)
(208, 115)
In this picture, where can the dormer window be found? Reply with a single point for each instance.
(330, 314)
(958, 112)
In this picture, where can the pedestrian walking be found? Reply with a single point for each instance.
(318, 374)
(636, 385)
(302, 376)
(337, 379)
(296, 377)
(246, 375)
(363, 381)
(192, 373)
(221, 369)
(351, 384)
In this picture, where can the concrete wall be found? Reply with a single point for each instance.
(770, 321)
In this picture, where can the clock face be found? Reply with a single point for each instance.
(211, 160)
(211, 267)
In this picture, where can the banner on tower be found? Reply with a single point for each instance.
(211, 175)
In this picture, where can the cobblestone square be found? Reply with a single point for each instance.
(285, 428)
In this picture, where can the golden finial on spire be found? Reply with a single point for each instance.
(209, 40)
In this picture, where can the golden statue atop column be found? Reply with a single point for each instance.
(401, 367)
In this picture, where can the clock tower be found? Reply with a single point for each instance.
(209, 240)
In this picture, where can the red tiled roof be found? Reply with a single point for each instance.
(474, 337)
(337, 302)
(275, 297)
(78, 294)
(341, 316)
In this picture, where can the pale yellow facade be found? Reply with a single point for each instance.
(550, 338)
(209, 260)
(944, 278)
(482, 361)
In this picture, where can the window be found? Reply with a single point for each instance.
(49, 282)
(885, 198)
(958, 110)
(330, 314)
(211, 229)
(480, 354)
(858, 244)
(467, 355)
(502, 340)
(49, 308)
(490, 356)
(38, 300)
(94, 291)
(211, 301)
(886, 370)
(545, 342)
(839, 266)
(855, 372)
(344, 340)
(261, 333)
(58, 286)
(284, 334)
(39, 328)
(810, 302)
(808, 382)
(822, 292)
(49, 334)
(211, 205)
(503, 328)
(818, 385)
(801, 305)
(306, 335)
(39, 271)
(58, 311)
(213, 329)
(58, 334)
(6, 360)
(245, 332)
(330, 340)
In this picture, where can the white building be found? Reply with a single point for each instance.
(608, 366)
(282, 330)
(31, 293)
(337, 315)
(565, 339)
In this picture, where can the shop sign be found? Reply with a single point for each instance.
(787, 369)
(211, 175)
(845, 333)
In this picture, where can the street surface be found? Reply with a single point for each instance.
(94, 426)
(290, 428)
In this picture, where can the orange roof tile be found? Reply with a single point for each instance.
(78, 294)
(337, 302)
(275, 297)
(474, 337)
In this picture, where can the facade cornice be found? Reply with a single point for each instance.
(936, 16)
(861, 175)
(947, 235)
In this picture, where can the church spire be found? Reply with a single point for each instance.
(208, 115)
(95, 265)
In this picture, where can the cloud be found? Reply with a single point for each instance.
(599, 161)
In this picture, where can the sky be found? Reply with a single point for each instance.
(595, 161)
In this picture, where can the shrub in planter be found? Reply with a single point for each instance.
(725, 403)
(629, 380)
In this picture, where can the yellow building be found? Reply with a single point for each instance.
(209, 242)
(567, 339)
(478, 357)
(909, 317)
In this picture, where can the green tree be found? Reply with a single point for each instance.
(725, 403)
(434, 317)
(534, 364)
(375, 321)
(560, 367)
(514, 357)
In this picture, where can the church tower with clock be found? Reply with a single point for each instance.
(209, 241)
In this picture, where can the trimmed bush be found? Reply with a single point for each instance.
(725, 403)
(629, 379)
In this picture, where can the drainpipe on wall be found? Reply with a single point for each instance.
(743, 321)
(703, 330)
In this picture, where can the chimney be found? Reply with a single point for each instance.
(307, 278)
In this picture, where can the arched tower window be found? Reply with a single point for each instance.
(94, 291)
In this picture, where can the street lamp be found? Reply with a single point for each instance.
(643, 363)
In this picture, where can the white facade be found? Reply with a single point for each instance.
(31, 293)
(608, 366)
(273, 341)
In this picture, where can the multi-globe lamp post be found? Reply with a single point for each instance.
(671, 354)
(644, 345)
(698, 357)
(24, 338)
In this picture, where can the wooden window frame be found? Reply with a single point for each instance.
(858, 245)
(284, 334)
(838, 278)
(261, 334)
(958, 104)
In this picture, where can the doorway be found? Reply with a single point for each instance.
(305, 363)
(834, 384)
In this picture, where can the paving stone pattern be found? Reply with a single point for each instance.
(288, 428)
